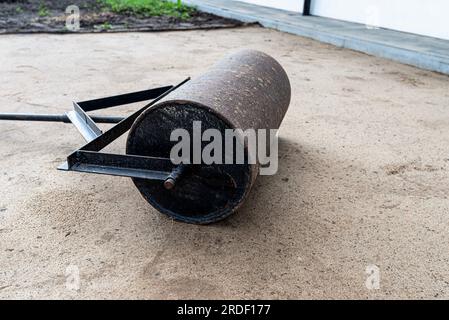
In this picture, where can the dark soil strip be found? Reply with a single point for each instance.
(28, 16)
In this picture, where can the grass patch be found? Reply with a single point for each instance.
(150, 8)
(106, 26)
(43, 11)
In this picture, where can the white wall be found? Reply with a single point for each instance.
(290, 5)
(430, 18)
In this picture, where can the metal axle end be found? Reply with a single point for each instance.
(174, 176)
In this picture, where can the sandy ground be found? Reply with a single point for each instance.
(363, 178)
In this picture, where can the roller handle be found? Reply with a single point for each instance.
(54, 117)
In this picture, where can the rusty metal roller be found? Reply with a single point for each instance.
(248, 89)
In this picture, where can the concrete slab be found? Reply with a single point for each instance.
(420, 51)
(363, 178)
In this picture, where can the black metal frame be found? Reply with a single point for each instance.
(89, 159)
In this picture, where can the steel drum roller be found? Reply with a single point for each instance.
(248, 89)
